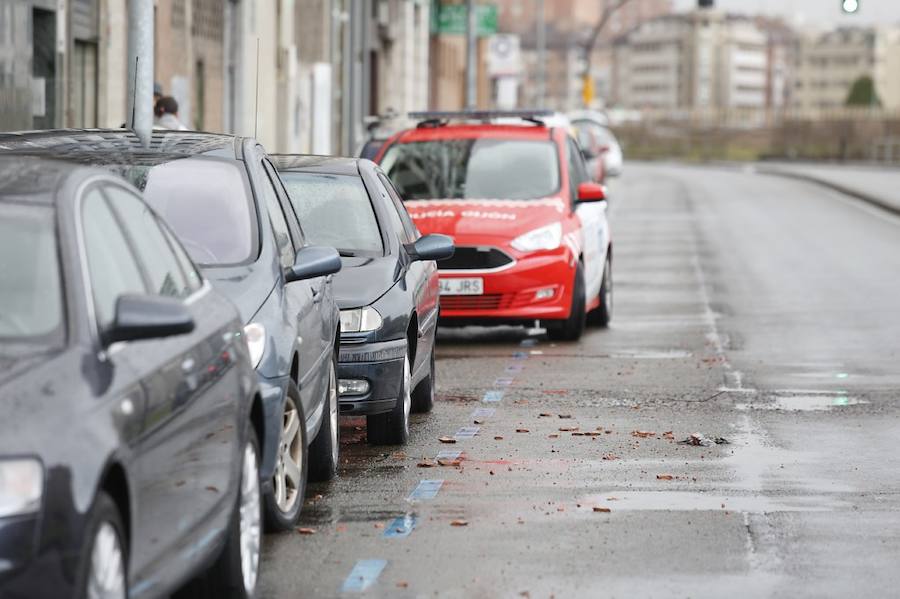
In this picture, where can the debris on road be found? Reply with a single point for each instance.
(668, 435)
(610, 457)
(599, 508)
(498, 437)
(697, 439)
(664, 477)
(568, 429)
(402, 584)
(565, 415)
(459, 523)
(643, 434)
(456, 463)
(425, 464)
(447, 440)
(306, 531)
(545, 415)
(522, 430)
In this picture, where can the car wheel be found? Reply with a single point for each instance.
(423, 395)
(105, 571)
(392, 428)
(284, 501)
(236, 571)
(602, 314)
(323, 453)
(571, 328)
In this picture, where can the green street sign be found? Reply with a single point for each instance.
(451, 19)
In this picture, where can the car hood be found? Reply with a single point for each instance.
(33, 400)
(246, 286)
(11, 367)
(362, 280)
(483, 221)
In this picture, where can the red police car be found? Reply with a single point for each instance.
(532, 237)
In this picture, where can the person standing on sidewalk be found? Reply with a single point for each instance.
(166, 111)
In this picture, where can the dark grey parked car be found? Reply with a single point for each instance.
(128, 453)
(387, 291)
(226, 204)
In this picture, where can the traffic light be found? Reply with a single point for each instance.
(850, 6)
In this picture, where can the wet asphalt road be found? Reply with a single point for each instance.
(758, 309)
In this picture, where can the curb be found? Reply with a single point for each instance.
(854, 193)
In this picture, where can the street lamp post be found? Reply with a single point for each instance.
(140, 69)
(471, 51)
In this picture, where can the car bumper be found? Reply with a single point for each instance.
(380, 364)
(272, 392)
(536, 287)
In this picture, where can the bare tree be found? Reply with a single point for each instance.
(592, 41)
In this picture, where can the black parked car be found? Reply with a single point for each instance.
(226, 204)
(128, 458)
(387, 292)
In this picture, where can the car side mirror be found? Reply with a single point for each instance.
(148, 317)
(313, 261)
(431, 247)
(591, 192)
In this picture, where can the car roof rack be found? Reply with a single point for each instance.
(439, 118)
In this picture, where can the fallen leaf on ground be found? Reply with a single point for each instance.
(520, 401)
(522, 430)
(605, 510)
(379, 525)
(567, 429)
(664, 477)
(577, 434)
(447, 440)
(668, 435)
(454, 463)
(498, 438)
(306, 531)
(553, 436)
(564, 416)
(425, 464)
(212, 488)
(402, 584)
(545, 415)
(398, 455)
(610, 457)
(478, 422)
(459, 523)
(593, 433)
(643, 434)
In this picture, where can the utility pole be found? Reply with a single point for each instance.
(541, 54)
(140, 69)
(471, 51)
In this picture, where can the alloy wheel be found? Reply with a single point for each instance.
(250, 519)
(289, 469)
(107, 570)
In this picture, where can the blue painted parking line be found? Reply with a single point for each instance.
(467, 432)
(528, 342)
(400, 527)
(363, 575)
(493, 396)
(520, 355)
(483, 413)
(515, 367)
(426, 489)
(448, 454)
(503, 382)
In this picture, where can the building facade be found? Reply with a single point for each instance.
(826, 65)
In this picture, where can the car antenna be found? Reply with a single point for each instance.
(134, 92)
(256, 107)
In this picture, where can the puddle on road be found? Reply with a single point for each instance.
(805, 402)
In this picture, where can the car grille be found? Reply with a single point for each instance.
(475, 258)
(493, 301)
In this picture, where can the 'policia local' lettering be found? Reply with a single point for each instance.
(465, 214)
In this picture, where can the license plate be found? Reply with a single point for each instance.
(473, 286)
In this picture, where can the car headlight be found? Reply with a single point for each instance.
(544, 238)
(360, 320)
(255, 334)
(21, 486)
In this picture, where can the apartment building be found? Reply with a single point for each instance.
(827, 64)
(696, 60)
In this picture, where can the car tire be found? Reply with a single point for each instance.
(284, 501)
(423, 395)
(392, 428)
(323, 453)
(105, 569)
(571, 328)
(235, 573)
(602, 314)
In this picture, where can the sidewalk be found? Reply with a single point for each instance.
(879, 185)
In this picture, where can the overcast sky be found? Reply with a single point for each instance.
(811, 12)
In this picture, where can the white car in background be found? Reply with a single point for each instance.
(601, 149)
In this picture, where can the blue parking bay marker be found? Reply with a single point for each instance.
(520, 355)
(503, 382)
(467, 432)
(483, 413)
(448, 454)
(515, 367)
(400, 527)
(426, 489)
(493, 396)
(528, 342)
(363, 575)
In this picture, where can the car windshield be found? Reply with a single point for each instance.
(335, 210)
(206, 203)
(505, 169)
(31, 297)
